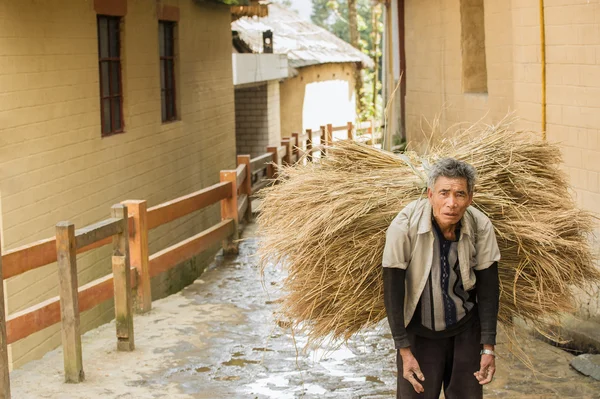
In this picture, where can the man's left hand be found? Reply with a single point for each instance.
(486, 370)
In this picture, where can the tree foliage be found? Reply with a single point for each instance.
(333, 15)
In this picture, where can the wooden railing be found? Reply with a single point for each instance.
(132, 266)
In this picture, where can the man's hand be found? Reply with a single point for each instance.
(487, 367)
(410, 368)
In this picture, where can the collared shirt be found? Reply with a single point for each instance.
(410, 243)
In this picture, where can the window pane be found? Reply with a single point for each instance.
(104, 79)
(114, 37)
(161, 38)
(103, 37)
(169, 74)
(116, 112)
(162, 74)
(170, 105)
(115, 78)
(106, 128)
(169, 40)
(163, 104)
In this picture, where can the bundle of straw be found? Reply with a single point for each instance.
(326, 222)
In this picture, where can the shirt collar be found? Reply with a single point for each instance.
(426, 226)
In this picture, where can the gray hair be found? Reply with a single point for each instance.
(453, 169)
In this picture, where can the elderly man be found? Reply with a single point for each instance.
(441, 289)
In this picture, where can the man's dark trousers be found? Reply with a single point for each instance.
(448, 362)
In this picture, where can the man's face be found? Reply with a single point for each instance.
(449, 199)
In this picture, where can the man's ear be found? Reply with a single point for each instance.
(430, 193)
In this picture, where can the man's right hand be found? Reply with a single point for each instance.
(411, 369)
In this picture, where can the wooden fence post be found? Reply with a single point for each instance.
(4, 374)
(309, 145)
(271, 172)
(329, 134)
(122, 282)
(323, 138)
(247, 188)
(296, 146)
(288, 156)
(350, 129)
(138, 253)
(66, 247)
(229, 210)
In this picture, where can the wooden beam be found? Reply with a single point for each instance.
(4, 369)
(138, 253)
(229, 210)
(271, 168)
(329, 139)
(69, 308)
(285, 152)
(122, 283)
(309, 145)
(240, 175)
(247, 187)
(22, 324)
(338, 128)
(261, 162)
(37, 254)
(170, 257)
(97, 232)
(174, 209)
(350, 128)
(260, 185)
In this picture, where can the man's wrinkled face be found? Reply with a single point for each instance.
(449, 199)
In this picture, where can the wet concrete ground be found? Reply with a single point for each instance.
(219, 338)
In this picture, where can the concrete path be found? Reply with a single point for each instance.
(218, 339)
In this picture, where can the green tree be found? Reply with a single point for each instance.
(334, 16)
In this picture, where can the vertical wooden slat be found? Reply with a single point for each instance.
(229, 210)
(122, 282)
(4, 373)
(271, 172)
(295, 146)
(329, 134)
(138, 253)
(288, 156)
(66, 254)
(247, 187)
(323, 137)
(350, 129)
(309, 145)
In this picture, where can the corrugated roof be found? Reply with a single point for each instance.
(304, 43)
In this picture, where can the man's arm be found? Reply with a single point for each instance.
(393, 298)
(487, 288)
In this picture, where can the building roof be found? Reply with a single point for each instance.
(303, 42)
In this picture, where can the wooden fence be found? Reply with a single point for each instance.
(132, 266)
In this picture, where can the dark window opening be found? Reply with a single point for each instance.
(166, 42)
(111, 89)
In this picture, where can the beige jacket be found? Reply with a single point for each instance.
(409, 246)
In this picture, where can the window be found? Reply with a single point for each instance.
(111, 89)
(474, 69)
(166, 42)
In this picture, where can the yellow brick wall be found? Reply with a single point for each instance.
(54, 164)
(512, 38)
(293, 90)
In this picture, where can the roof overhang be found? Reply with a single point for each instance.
(255, 68)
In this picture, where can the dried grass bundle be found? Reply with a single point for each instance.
(326, 223)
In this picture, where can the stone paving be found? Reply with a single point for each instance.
(219, 338)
